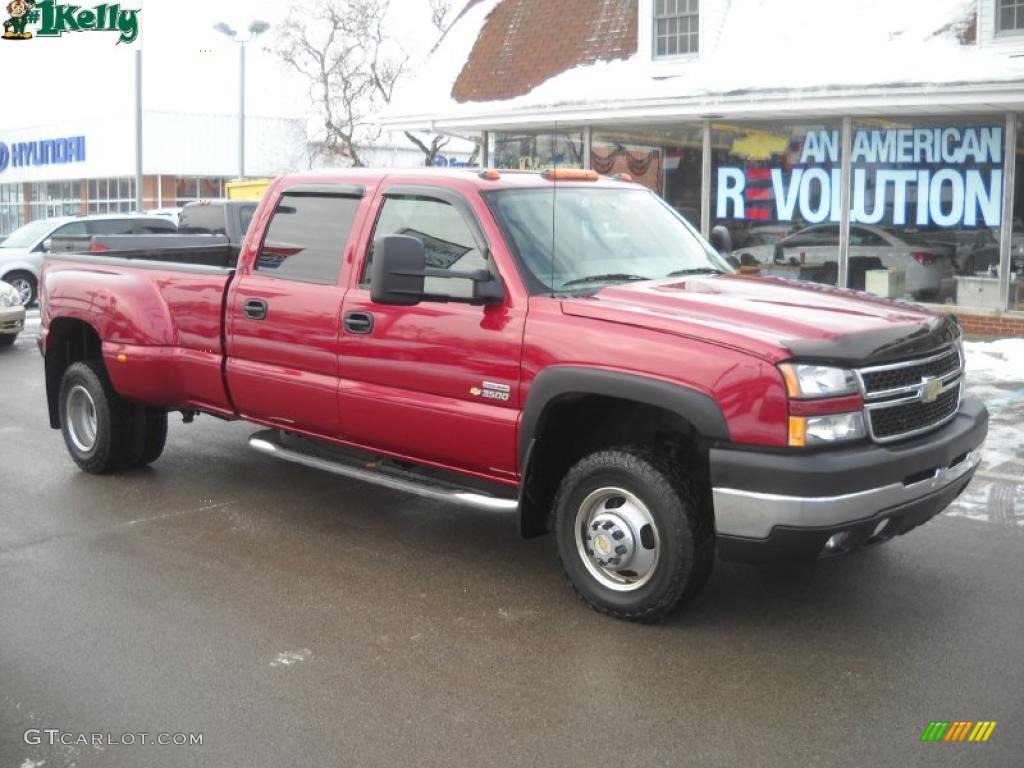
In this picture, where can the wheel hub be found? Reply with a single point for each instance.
(611, 541)
(81, 418)
(617, 539)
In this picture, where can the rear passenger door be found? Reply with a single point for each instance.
(283, 313)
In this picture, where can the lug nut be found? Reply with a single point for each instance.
(618, 535)
(620, 550)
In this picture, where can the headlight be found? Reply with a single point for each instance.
(818, 380)
(820, 430)
(8, 296)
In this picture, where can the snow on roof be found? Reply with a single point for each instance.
(789, 48)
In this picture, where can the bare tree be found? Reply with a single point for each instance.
(341, 47)
(439, 11)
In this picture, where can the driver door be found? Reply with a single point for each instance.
(437, 382)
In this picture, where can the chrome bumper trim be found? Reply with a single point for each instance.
(753, 515)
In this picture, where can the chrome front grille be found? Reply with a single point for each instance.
(913, 396)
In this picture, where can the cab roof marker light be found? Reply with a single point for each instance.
(489, 175)
(623, 177)
(570, 174)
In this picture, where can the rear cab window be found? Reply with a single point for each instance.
(306, 238)
(202, 219)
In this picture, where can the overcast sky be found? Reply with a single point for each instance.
(187, 66)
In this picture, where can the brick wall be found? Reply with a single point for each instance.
(987, 322)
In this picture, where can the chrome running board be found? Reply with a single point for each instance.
(269, 442)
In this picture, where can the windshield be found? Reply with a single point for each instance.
(600, 236)
(28, 235)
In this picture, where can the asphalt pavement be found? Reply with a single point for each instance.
(290, 617)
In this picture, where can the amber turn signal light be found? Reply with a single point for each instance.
(570, 174)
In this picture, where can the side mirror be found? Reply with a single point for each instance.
(721, 240)
(397, 271)
(46, 245)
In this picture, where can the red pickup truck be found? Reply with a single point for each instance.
(558, 345)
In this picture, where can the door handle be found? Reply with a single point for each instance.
(358, 322)
(255, 308)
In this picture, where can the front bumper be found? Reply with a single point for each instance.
(12, 320)
(770, 505)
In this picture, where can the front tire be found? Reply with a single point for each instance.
(100, 429)
(7, 339)
(631, 536)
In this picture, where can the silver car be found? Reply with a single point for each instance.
(21, 254)
(929, 268)
(12, 315)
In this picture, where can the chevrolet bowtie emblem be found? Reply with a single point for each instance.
(930, 390)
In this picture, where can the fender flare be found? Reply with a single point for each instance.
(697, 408)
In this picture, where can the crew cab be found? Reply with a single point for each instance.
(557, 346)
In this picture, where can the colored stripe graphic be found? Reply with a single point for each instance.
(958, 730)
(935, 730)
(982, 730)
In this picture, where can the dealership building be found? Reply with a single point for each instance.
(87, 165)
(825, 141)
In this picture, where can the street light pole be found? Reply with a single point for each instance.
(256, 29)
(241, 111)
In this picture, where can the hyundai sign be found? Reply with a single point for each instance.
(42, 152)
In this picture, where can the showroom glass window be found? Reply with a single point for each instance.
(932, 189)
(1010, 16)
(667, 161)
(526, 151)
(12, 211)
(676, 27)
(777, 188)
(54, 198)
(112, 195)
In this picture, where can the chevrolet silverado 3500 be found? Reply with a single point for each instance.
(557, 345)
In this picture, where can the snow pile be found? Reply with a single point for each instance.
(995, 373)
(996, 364)
(762, 45)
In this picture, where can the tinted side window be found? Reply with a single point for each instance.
(74, 228)
(154, 227)
(111, 227)
(859, 236)
(202, 219)
(306, 238)
(444, 233)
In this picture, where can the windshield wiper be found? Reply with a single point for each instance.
(695, 271)
(608, 278)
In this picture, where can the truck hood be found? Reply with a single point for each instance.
(774, 318)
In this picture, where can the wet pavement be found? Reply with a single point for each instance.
(294, 618)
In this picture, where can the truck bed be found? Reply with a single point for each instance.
(208, 250)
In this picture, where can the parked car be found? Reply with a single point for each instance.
(929, 267)
(21, 254)
(584, 360)
(12, 314)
